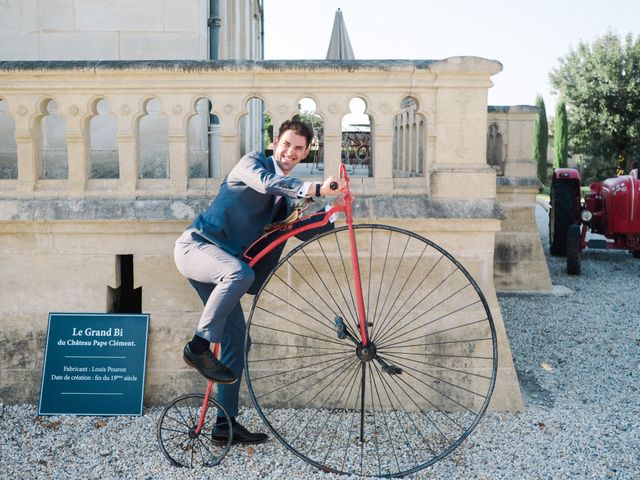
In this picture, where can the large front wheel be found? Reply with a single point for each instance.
(399, 403)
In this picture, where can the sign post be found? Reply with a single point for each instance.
(94, 364)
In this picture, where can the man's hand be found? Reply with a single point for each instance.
(326, 189)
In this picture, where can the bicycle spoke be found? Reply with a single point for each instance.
(407, 398)
(321, 337)
(177, 437)
(285, 372)
(287, 385)
(388, 321)
(438, 332)
(375, 423)
(433, 307)
(429, 364)
(327, 291)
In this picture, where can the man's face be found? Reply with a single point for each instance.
(290, 150)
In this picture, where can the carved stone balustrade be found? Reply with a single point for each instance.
(63, 227)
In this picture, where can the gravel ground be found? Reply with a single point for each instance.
(576, 352)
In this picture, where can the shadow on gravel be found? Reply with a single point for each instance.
(532, 392)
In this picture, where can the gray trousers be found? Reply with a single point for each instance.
(209, 264)
(220, 280)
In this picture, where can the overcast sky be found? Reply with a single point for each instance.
(527, 37)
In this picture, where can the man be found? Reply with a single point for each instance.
(255, 193)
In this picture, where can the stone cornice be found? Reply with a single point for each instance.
(465, 64)
(365, 208)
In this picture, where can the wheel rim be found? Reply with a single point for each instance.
(177, 436)
(350, 413)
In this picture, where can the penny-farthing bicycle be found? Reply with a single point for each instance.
(373, 351)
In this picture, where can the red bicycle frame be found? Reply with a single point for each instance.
(292, 229)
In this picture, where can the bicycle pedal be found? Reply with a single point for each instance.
(392, 370)
(340, 328)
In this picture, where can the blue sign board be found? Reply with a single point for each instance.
(94, 364)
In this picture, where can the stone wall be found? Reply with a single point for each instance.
(125, 30)
(519, 263)
(60, 238)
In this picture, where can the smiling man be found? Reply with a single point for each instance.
(257, 192)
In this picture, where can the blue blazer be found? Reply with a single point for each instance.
(245, 204)
(236, 217)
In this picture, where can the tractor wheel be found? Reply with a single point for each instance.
(636, 253)
(573, 250)
(561, 215)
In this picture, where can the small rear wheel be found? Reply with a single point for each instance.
(561, 216)
(573, 250)
(179, 439)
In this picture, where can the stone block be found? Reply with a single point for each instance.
(19, 45)
(56, 283)
(18, 16)
(79, 45)
(521, 219)
(184, 16)
(462, 183)
(519, 263)
(56, 15)
(523, 168)
(168, 333)
(20, 386)
(166, 45)
(106, 15)
(164, 289)
(18, 340)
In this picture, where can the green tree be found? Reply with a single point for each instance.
(600, 84)
(541, 140)
(560, 136)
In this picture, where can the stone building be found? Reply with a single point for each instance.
(103, 163)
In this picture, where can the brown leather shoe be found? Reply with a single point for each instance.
(209, 366)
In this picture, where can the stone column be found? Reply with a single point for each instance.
(519, 261)
(333, 133)
(178, 149)
(77, 145)
(28, 145)
(123, 109)
(228, 113)
(460, 169)
(382, 136)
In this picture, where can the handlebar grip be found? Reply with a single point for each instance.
(333, 185)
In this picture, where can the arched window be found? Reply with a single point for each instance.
(495, 156)
(409, 131)
(314, 163)
(153, 141)
(357, 141)
(8, 148)
(103, 129)
(55, 163)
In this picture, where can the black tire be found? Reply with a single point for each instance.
(404, 401)
(573, 250)
(561, 215)
(636, 253)
(176, 432)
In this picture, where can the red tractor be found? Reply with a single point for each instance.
(611, 208)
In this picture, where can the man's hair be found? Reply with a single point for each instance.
(299, 127)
